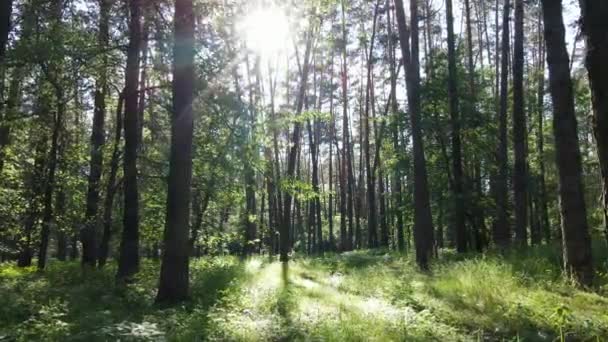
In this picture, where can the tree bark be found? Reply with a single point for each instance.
(423, 221)
(284, 245)
(595, 29)
(89, 233)
(575, 234)
(501, 234)
(128, 262)
(174, 268)
(457, 184)
(111, 186)
(519, 130)
(372, 215)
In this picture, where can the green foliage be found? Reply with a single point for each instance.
(355, 296)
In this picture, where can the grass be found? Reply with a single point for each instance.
(358, 296)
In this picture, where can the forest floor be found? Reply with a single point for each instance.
(358, 296)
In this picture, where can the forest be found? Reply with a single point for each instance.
(303, 170)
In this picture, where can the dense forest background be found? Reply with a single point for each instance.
(179, 130)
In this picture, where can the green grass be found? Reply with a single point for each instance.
(359, 296)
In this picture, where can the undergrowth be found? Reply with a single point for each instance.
(356, 296)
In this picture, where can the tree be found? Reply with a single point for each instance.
(595, 29)
(457, 186)
(423, 222)
(128, 261)
(174, 268)
(372, 219)
(284, 242)
(575, 234)
(519, 129)
(89, 233)
(501, 234)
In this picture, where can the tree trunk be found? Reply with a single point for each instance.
(544, 212)
(284, 245)
(423, 221)
(396, 188)
(173, 284)
(519, 130)
(575, 233)
(457, 184)
(47, 216)
(89, 233)
(372, 215)
(128, 262)
(595, 29)
(501, 234)
(111, 186)
(6, 10)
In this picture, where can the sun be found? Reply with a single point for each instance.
(266, 30)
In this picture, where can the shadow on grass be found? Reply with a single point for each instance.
(91, 307)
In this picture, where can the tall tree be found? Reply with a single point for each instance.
(457, 181)
(575, 234)
(128, 261)
(111, 186)
(595, 29)
(174, 268)
(54, 74)
(284, 243)
(501, 234)
(519, 129)
(423, 221)
(89, 233)
(372, 219)
(396, 187)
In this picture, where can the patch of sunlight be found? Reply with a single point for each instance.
(12, 271)
(253, 265)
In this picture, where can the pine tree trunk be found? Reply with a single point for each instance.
(457, 184)
(284, 245)
(111, 185)
(396, 187)
(89, 233)
(173, 284)
(423, 222)
(575, 233)
(501, 234)
(595, 29)
(128, 261)
(372, 218)
(544, 212)
(47, 216)
(519, 130)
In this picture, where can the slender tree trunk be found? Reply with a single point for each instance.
(111, 185)
(293, 152)
(501, 234)
(47, 216)
(545, 226)
(423, 221)
(575, 234)
(128, 262)
(519, 130)
(143, 78)
(34, 180)
(89, 233)
(199, 205)
(395, 112)
(6, 9)
(174, 268)
(372, 218)
(346, 183)
(457, 184)
(595, 29)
